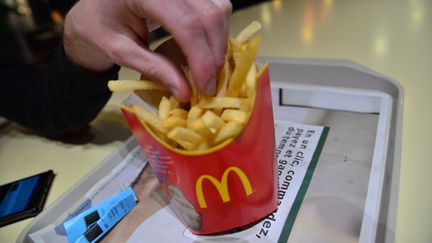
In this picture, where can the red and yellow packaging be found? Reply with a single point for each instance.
(226, 187)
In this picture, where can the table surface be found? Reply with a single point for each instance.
(390, 37)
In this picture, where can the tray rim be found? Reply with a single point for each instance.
(370, 219)
(385, 229)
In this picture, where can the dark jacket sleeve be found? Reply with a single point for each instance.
(58, 99)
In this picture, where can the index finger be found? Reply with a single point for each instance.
(184, 24)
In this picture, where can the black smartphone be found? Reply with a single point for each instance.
(24, 198)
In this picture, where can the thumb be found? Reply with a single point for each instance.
(152, 65)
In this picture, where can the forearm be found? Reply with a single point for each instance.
(60, 99)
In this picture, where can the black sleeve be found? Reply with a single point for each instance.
(58, 99)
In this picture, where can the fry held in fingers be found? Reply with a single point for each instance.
(131, 85)
(205, 121)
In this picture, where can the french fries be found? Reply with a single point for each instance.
(172, 122)
(205, 121)
(229, 130)
(146, 116)
(221, 102)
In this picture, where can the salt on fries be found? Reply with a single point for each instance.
(205, 121)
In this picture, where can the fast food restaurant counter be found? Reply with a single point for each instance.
(392, 38)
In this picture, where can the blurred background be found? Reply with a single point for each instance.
(30, 30)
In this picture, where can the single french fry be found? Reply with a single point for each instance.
(174, 102)
(164, 108)
(184, 134)
(187, 145)
(251, 79)
(252, 46)
(221, 102)
(194, 113)
(243, 91)
(131, 85)
(195, 95)
(172, 122)
(180, 113)
(203, 146)
(246, 106)
(234, 115)
(248, 32)
(230, 130)
(148, 117)
(212, 121)
(164, 137)
(224, 77)
(236, 47)
(199, 127)
(225, 74)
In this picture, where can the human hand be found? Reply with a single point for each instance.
(99, 33)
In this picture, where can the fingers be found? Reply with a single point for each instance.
(200, 39)
(214, 15)
(127, 52)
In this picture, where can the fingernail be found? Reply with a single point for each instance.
(210, 88)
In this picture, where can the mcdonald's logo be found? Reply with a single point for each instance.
(222, 185)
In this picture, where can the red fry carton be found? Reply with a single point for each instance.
(226, 187)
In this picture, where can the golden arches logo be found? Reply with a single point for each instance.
(222, 185)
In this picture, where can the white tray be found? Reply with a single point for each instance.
(353, 193)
